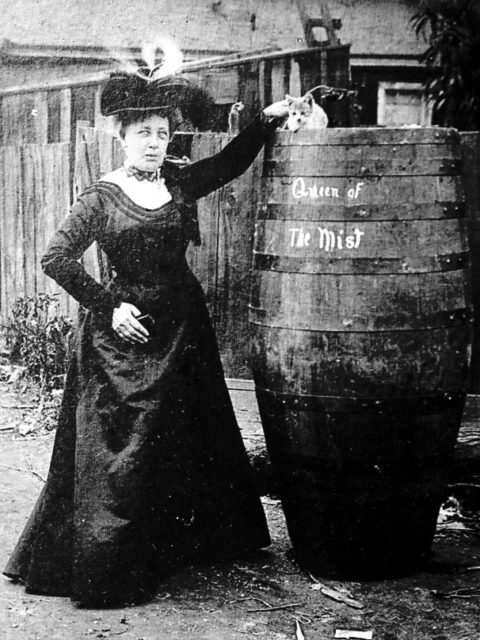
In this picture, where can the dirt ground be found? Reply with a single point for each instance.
(231, 601)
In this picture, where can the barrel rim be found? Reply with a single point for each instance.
(360, 136)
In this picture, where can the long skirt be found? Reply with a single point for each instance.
(148, 471)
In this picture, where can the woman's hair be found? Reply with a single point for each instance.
(131, 116)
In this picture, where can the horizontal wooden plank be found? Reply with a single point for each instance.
(366, 191)
(375, 167)
(403, 239)
(326, 264)
(419, 404)
(362, 160)
(366, 136)
(332, 302)
(409, 210)
(390, 364)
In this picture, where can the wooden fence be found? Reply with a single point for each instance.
(37, 115)
(36, 194)
(34, 198)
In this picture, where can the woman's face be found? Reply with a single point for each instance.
(145, 142)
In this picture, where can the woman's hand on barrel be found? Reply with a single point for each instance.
(126, 325)
(277, 109)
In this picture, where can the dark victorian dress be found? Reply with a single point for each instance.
(148, 470)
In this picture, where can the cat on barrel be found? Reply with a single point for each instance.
(305, 113)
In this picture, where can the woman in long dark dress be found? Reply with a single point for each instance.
(148, 470)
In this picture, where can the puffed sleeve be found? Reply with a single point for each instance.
(84, 224)
(203, 176)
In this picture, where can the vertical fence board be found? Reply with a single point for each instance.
(294, 88)
(54, 115)
(278, 80)
(203, 259)
(40, 117)
(9, 122)
(65, 115)
(83, 105)
(118, 153)
(250, 93)
(261, 83)
(55, 206)
(100, 122)
(267, 82)
(287, 71)
(11, 230)
(106, 152)
(87, 170)
(33, 190)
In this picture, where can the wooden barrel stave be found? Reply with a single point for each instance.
(351, 212)
(367, 136)
(337, 302)
(342, 192)
(360, 352)
(384, 160)
(402, 364)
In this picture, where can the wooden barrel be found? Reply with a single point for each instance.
(360, 320)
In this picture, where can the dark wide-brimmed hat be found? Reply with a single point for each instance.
(130, 92)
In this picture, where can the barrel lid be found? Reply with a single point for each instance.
(368, 136)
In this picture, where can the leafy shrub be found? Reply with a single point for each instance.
(451, 30)
(37, 337)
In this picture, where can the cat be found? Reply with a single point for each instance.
(305, 113)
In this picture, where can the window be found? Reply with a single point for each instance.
(402, 103)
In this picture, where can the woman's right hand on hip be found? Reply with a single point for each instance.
(126, 326)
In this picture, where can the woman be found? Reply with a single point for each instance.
(148, 470)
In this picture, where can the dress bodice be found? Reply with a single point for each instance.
(146, 250)
(142, 245)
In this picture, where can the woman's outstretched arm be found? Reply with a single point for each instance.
(203, 176)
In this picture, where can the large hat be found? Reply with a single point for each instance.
(130, 92)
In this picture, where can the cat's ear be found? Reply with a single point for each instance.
(288, 98)
(308, 98)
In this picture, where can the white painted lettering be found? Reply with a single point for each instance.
(339, 239)
(327, 239)
(299, 189)
(350, 242)
(358, 235)
(300, 239)
(358, 188)
(293, 235)
(315, 191)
